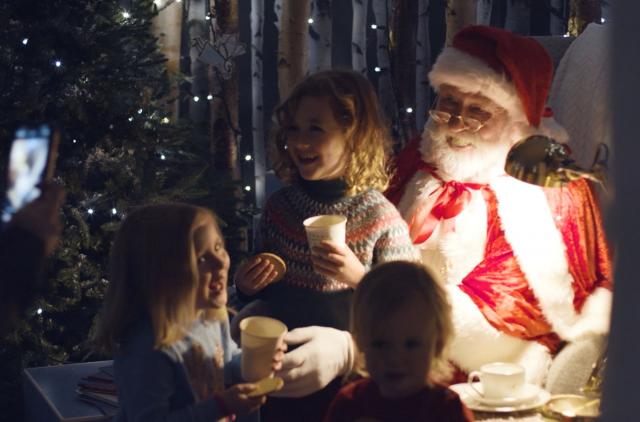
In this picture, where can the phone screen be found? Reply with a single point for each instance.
(28, 160)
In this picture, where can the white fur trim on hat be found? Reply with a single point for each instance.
(472, 75)
(548, 127)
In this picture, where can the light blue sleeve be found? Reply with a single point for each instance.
(232, 356)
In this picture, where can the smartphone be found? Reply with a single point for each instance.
(31, 161)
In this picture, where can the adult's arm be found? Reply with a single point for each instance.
(21, 266)
(31, 236)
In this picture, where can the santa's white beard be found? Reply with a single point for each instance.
(479, 161)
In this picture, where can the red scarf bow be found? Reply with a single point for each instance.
(444, 203)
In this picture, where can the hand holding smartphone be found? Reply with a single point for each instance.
(31, 161)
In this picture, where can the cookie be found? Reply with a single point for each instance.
(278, 264)
(266, 386)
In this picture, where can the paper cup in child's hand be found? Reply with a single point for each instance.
(325, 227)
(260, 337)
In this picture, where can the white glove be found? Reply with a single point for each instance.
(324, 354)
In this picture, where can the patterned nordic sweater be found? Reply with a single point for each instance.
(375, 232)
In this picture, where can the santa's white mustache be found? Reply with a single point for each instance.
(462, 155)
(458, 142)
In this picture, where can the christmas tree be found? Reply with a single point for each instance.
(95, 69)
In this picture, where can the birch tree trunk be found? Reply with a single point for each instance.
(483, 12)
(582, 13)
(460, 13)
(385, 87)
(223, 121)
(257, 103)
(423, 65)
(278, 5)
(557, 24)
(518, 17)
(292, 45)
(359, 36)
(320, 36)
(167, 27)
(403, 61)
(197, 27)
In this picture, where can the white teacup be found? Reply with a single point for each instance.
(325, 227)
(499, 380)
(259, 339)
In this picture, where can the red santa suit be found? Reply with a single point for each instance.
(526, 268)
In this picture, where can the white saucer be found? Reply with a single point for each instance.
(532, 398)
(529, 392)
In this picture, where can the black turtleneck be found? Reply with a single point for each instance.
(324, 190)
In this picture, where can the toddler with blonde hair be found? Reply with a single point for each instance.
(401, 323)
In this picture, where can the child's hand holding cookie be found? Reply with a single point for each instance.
(258, 272)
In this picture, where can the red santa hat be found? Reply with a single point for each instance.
(513, 71)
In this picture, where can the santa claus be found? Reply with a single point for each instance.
(527, 268)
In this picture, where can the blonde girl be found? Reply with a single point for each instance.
(401, 323)
(330, 145)
(165, 319)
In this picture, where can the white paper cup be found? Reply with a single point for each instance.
(499, 380)
(259, 339)
(325, 227)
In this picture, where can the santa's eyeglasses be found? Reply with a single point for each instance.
(442, 117)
